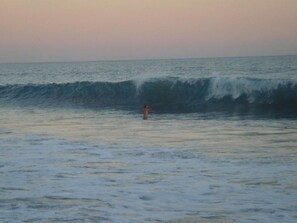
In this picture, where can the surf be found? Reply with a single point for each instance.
(163, 94)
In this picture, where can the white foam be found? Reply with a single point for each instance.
(235, 87)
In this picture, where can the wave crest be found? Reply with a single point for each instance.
(166, 94)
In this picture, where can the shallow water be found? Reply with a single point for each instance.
(90, 166)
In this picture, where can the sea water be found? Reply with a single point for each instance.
(220, 143)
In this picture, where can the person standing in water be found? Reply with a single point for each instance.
(146, 110)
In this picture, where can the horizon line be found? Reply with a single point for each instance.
(145, 59)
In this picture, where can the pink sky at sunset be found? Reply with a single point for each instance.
(74, 30)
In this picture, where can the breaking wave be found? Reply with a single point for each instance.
(164, 95)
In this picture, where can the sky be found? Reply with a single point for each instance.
(90, 30)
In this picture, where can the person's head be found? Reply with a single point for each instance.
(145, 106)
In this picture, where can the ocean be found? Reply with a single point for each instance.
(219, 145)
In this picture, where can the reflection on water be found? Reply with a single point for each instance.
(109, 166)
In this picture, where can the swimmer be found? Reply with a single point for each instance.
(146, 110)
